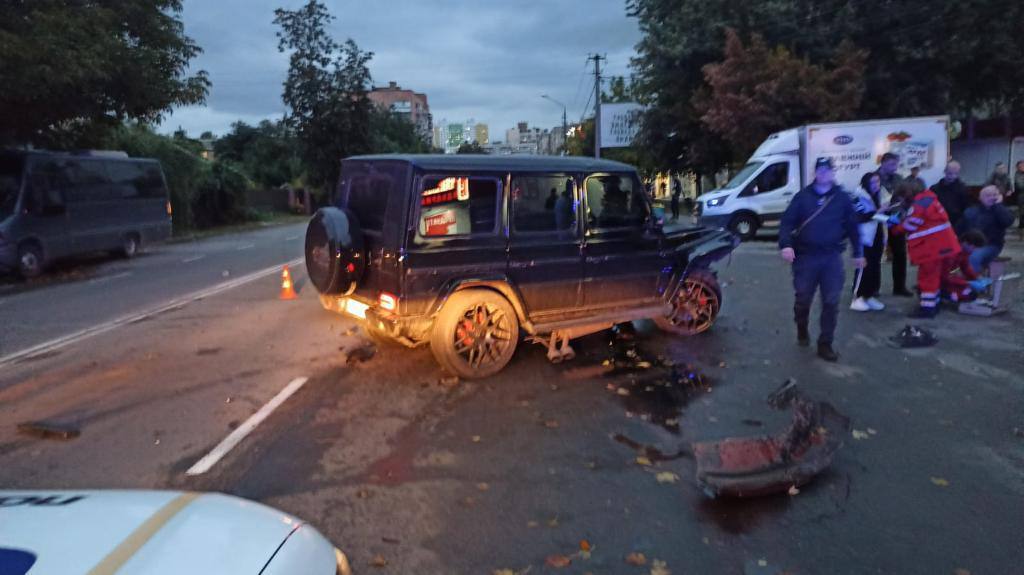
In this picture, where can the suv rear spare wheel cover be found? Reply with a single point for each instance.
(335, 257)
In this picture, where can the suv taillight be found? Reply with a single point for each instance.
(387, 301)
(170, 212)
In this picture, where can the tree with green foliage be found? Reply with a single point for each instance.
(940, 57)
(72, 70)
(266, 152)
(325, 91)
(756, 91)
(394, 134)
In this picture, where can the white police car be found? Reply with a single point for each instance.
(155, 532)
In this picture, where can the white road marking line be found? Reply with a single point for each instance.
(236, 436)
(192, 259)
(245, 247)
(108, 278)
(104, 327)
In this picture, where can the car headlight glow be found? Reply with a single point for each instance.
(716, 202)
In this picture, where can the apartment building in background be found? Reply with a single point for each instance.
(408, 104)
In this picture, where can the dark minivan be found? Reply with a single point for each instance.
(54, 205)
(466, 252)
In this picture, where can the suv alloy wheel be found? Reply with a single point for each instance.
(475, 334)
(695, 307)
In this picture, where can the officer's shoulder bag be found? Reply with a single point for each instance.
(821, 208)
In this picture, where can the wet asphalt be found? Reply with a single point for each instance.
(587, 461)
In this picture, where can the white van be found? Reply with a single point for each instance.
(784, 163)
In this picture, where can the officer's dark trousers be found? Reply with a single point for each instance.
(898, 244)
(811, 272)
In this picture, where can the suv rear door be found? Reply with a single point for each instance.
(545, 245)
(622, 257)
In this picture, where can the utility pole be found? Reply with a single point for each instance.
(597, 102)
(565, 122)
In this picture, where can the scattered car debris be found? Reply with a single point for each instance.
(45, 430)
(762, 465)
(360, 354)
(914, 336)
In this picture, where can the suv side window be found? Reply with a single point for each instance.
(368, 197)
(458, 205)
(614, 201)
(89, 181)
(770, 179)
(128, 178)
(543, 203)
(46, 182)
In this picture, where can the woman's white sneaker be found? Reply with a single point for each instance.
(860, 304)
(875, 305)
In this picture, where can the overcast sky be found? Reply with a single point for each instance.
(482, 59)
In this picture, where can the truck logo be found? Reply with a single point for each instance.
(842, 140)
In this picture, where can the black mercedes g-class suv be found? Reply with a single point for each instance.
(466, 252)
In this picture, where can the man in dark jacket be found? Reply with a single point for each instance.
(812, 237)
(990, 217)
(898, 245)
(953, 194)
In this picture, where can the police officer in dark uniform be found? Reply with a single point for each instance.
(812, 237)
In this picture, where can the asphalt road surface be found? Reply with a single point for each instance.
(396, 464)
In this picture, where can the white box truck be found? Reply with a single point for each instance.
(758, 194)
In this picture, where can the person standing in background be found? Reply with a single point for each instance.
(952, 193)
(868, 201)
(1018, 192)
(898, 244)
(674, 203)
(812, 237)
(1000, 179)
(914, 176)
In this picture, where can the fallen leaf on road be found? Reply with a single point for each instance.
(532, 524)
(721, 364)
(961, 571)
(940, 482)
(636, 559)
(551, 423)
(671, 421)
(469, 501)
(660, 568)
(379, 561)
(640, 459)
(558, 561)
(476, 439)
(553, 522)
(482, 486)
(872, 431)
(762, 563)
(666, 477)
(585, 545)
(503, 572)
(622, 391)
(793, 490)
(858, 434)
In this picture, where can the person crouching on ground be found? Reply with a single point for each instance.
(960, 282)
(812, 237)
(869, 201)
(990, 217)
(930, 242)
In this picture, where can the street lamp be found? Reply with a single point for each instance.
(565, 124)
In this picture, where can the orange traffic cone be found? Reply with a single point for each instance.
(287, 288)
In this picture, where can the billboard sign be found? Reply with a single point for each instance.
(619, 124)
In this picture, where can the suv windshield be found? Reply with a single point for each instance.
(743, 175)
(10, 183)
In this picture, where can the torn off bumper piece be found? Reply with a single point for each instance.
(763, 465)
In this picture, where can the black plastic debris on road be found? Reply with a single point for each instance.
(914, 336)
(45, 430)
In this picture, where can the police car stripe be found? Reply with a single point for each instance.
(143, 533)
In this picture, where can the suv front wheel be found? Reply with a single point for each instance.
(475, 334)
(695, 306)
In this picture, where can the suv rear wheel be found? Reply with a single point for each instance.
(695, 307)
(475, 334)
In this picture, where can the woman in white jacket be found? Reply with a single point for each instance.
(869, 199)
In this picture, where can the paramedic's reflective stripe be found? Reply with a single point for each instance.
(143, 533)
(929, 231)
